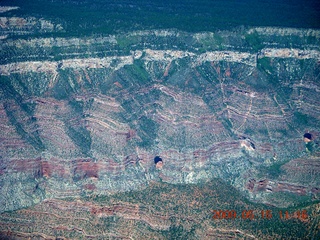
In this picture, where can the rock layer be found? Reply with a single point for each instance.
(88, 115)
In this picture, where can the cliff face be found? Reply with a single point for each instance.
(83, 116)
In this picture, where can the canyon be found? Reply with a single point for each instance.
(82, 120)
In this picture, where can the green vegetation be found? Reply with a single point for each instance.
(148, 131)
(61, 89)
(80, 136)
(178, 232)
(15, 115)
(98, 16)
(211, 42)
(126, 42)
(299, 201)
(254, 41)
(301, 118)
(138, 72)
(312, 146)
(274, 171)
(269, 79)
(13, 88)
(264, 64)
(249, 131)
(228, 126)
(190, 206)
(32, 138)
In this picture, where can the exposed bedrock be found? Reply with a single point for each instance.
(93, 125)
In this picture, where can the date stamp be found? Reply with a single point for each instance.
(259, 214)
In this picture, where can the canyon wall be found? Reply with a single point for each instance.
(88, 115)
